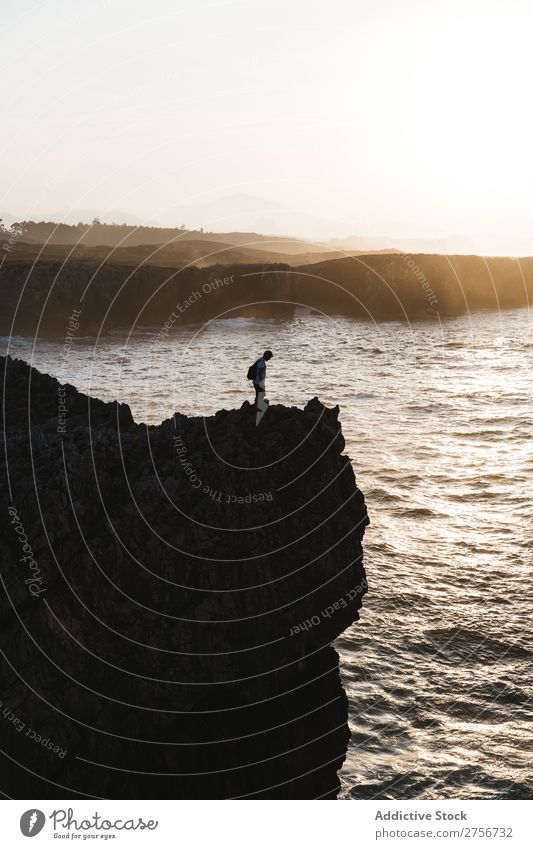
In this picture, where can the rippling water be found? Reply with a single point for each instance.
(438, 422)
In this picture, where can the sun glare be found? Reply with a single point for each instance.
(473, 103)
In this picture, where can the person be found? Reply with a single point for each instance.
(260, 384)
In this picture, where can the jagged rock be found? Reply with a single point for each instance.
(192, 578)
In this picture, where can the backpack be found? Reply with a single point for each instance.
(252, 371)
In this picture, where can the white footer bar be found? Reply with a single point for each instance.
(267, 825)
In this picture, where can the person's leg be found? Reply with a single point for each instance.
(257, 391)
(261, 406)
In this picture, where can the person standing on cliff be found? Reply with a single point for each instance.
(261, 402)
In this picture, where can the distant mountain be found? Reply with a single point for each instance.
(199, 252)
(374, 244)
(100, 234)
(244, 219)
(249, 222)
(241, 211)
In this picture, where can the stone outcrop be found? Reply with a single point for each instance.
(409, 286)
(169, 598)
(41, 298)
(56, 298)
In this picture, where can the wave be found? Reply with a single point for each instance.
(465, 644)
(382, 494)
(399, 785)
(417, 512)
(477, 495)
(472, 783)
(431, 408)
(504, 693)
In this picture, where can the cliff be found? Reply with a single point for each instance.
(169, 598)
(408, 286)
(39, 298)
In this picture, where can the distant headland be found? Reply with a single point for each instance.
(121, 276)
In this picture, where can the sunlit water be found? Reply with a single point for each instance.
(438, 423)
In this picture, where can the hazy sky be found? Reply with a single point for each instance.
(372, 116)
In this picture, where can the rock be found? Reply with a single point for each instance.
(121, 414)
(178, 643)
(75, 298)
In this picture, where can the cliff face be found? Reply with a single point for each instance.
(38, 299)
(404, 286)
(169, 597)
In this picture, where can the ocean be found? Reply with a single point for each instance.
(437, 418)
